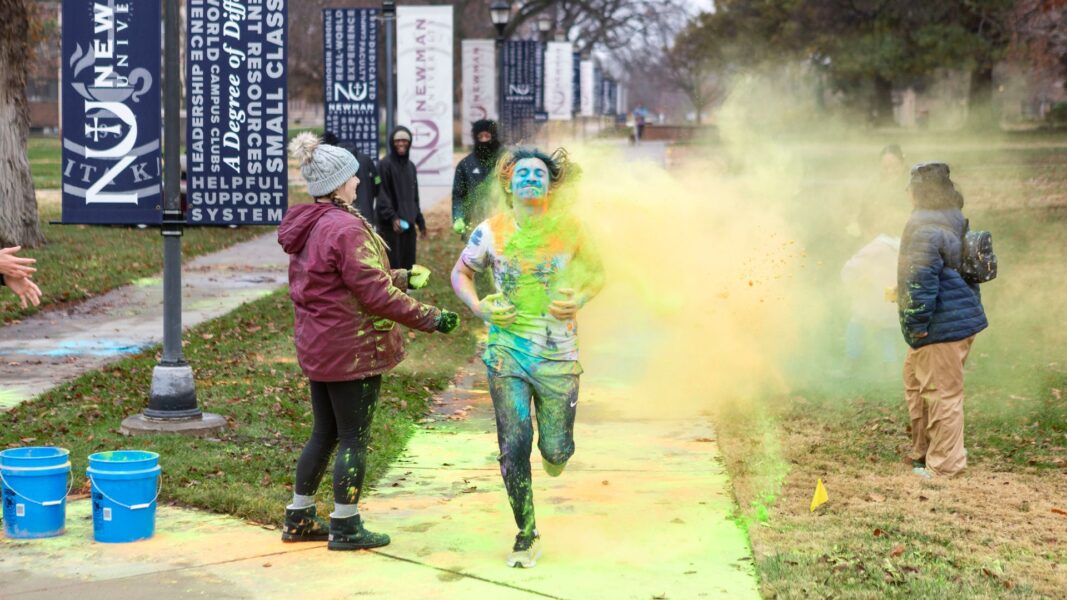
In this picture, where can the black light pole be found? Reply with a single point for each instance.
(389, 16)
(172, 402)
(500, 13)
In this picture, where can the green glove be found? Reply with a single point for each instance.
(447, 322)
(459, 226)
(418, 277)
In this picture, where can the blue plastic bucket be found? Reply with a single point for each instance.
(34, 483)
(125, 486)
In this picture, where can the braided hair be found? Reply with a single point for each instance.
(336, 200)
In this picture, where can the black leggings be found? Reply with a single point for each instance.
(343, 411)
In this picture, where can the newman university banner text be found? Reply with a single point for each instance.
(524, 70)
(350, 76)
(111, 112)
(235, 94)
(424, 88)
(479, 84)
(559, 80)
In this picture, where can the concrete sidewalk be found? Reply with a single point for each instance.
(55, 346)
(641, 512)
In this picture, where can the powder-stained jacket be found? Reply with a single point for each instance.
(470, 193)
(932, 296)
(345, 295)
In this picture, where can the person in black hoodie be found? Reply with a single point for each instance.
(370, 181)
(470, 198)
(398, 200)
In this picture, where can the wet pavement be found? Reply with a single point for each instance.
(642, 511)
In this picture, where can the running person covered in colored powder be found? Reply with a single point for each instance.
(545, 271)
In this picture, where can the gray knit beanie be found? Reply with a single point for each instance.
(324, 167)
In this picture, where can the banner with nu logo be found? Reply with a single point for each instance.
(479, 85)
(524, 76)
(424, 88)
(111, 112)
(350, 76)
(559, 81)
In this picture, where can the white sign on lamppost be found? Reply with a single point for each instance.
(587, 78)
(479, 85)
(424, 88)
(559, 81)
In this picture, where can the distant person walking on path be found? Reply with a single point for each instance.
(369, 180)
(398, 200)
(940, 314)
(470, 191)
(15, 273)
(347, 302)
(545, 271)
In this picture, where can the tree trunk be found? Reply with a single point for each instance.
(882, 105)
(980, 111)
(19, 225)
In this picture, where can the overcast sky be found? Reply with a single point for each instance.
(699, 5)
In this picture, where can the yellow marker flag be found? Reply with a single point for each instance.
(820, 496)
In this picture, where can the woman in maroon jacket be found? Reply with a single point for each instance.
(347, 302)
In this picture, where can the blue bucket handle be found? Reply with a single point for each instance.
(159, 488)
(70, 484)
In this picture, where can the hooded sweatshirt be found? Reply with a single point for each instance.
(346, 298)
(398, 196)
(470, 193)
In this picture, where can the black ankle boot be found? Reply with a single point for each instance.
(302, 525)
(348, 534)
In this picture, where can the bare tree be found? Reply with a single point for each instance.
(598, 24)
(696, 67)
(18, 202)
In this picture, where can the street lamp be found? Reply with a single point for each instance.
(544, 25)
(389, 17)
(172, 405)
(500, 13)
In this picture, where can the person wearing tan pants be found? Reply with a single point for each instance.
(933, 388)
(940, 315)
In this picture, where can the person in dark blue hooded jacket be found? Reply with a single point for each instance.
(940, 314)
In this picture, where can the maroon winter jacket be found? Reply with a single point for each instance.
(345, 295)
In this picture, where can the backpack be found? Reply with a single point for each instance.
(978, 262)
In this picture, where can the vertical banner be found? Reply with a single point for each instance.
(608, 102)
(559, 80)
(479, 84)
(236, 107)
(576, 84)
(598, 87)
(424, 88)
(350, 76)
(523, 73)
(588, 84)
(111, 112)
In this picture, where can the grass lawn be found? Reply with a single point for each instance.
(246, 369)
(1000, 529)
(80, 261)
(46, 161)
